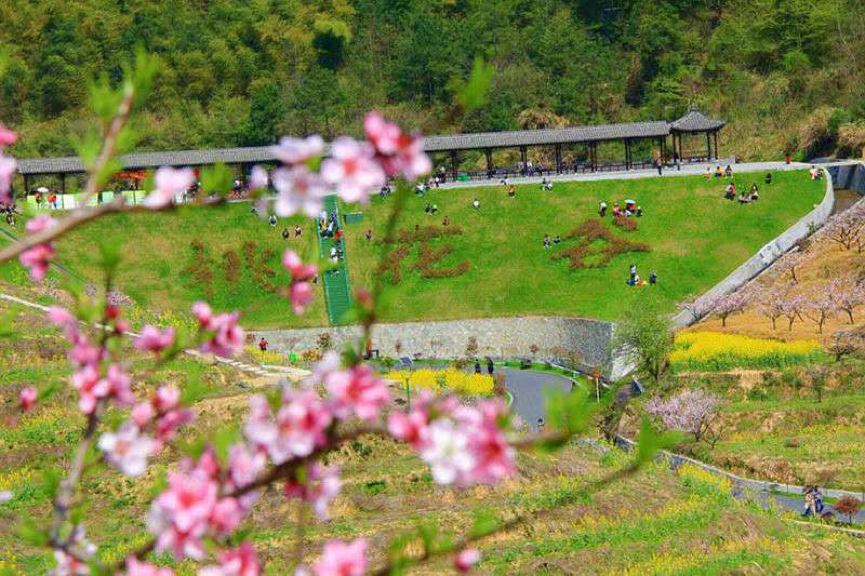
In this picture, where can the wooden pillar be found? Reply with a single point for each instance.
(663, 149)
(627, 154)
(454, 164)
(709, 145)
(489, 154)
(63, 183)
(26, 185)
(716, 143)
(524, 157)
(558, 158)
(593, 154)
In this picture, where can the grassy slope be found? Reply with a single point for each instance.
(156, 250)
(650, 524)
(774, 431)
(696, 237)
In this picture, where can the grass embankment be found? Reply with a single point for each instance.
(694, 235)
(648, 524)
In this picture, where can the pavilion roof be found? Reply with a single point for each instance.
(696, 121)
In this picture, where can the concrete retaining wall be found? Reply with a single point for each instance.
(762, 259)
(496, 337)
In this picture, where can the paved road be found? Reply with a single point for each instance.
(528, 388)
(797, 504)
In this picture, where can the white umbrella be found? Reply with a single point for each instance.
(42, 189)
(629, 201)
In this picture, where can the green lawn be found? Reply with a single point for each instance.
(696, 238)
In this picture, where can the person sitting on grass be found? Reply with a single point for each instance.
(728, 171)
(272, 220)
(546, 184)
(286, 234)
(476, 204)
(616, 210)
(547, 241)
(639, 212)
(718, 172)
(755, 192)
(602, 209)
(708, 173)
(512, 191)
(368, 234)
(446, 221)
(262, 344)
(731, 191)
(434, 210)
(557, 239)
(653, 278)
(297, 231)
(743, 199)
(768, 179)
(428, 208)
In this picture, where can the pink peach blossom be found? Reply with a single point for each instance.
(152, 339)
(352, 169)
(298, 150)
(241, 561)
(467, 559)
(320, 485)
(127, 449)
(135, 567)
(357, 390)
(341, 559)
(301, 423)
(27, 398)
(259, 178)
(168, 182)
(38, 258)
(299, 191)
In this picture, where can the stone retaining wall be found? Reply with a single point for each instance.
(496, 337)
(767, 255)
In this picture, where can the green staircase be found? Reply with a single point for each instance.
(337, 292)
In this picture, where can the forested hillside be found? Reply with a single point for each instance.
(788, 74)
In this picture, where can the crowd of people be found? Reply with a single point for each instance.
(631, 208)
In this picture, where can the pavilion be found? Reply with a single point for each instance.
(631, 134)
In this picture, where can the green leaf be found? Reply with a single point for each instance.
(141, 75)
(570, 413)
(217, 179)
(193, 390)
(651, 442)
(109, 256)
(223, 438)
(474, 94)
(33, 534)
(483, 523)
(51, 482)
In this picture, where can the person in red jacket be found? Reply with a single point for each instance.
(262, 345)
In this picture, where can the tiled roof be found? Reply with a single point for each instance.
(696, 121)
(693, 121)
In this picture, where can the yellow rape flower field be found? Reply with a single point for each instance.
(445, 380)
(703, 351)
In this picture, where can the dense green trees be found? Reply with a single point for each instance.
(242, 72)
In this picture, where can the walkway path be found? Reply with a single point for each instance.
(696, 169)
(336, 286)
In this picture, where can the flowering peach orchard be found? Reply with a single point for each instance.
(286, 436)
